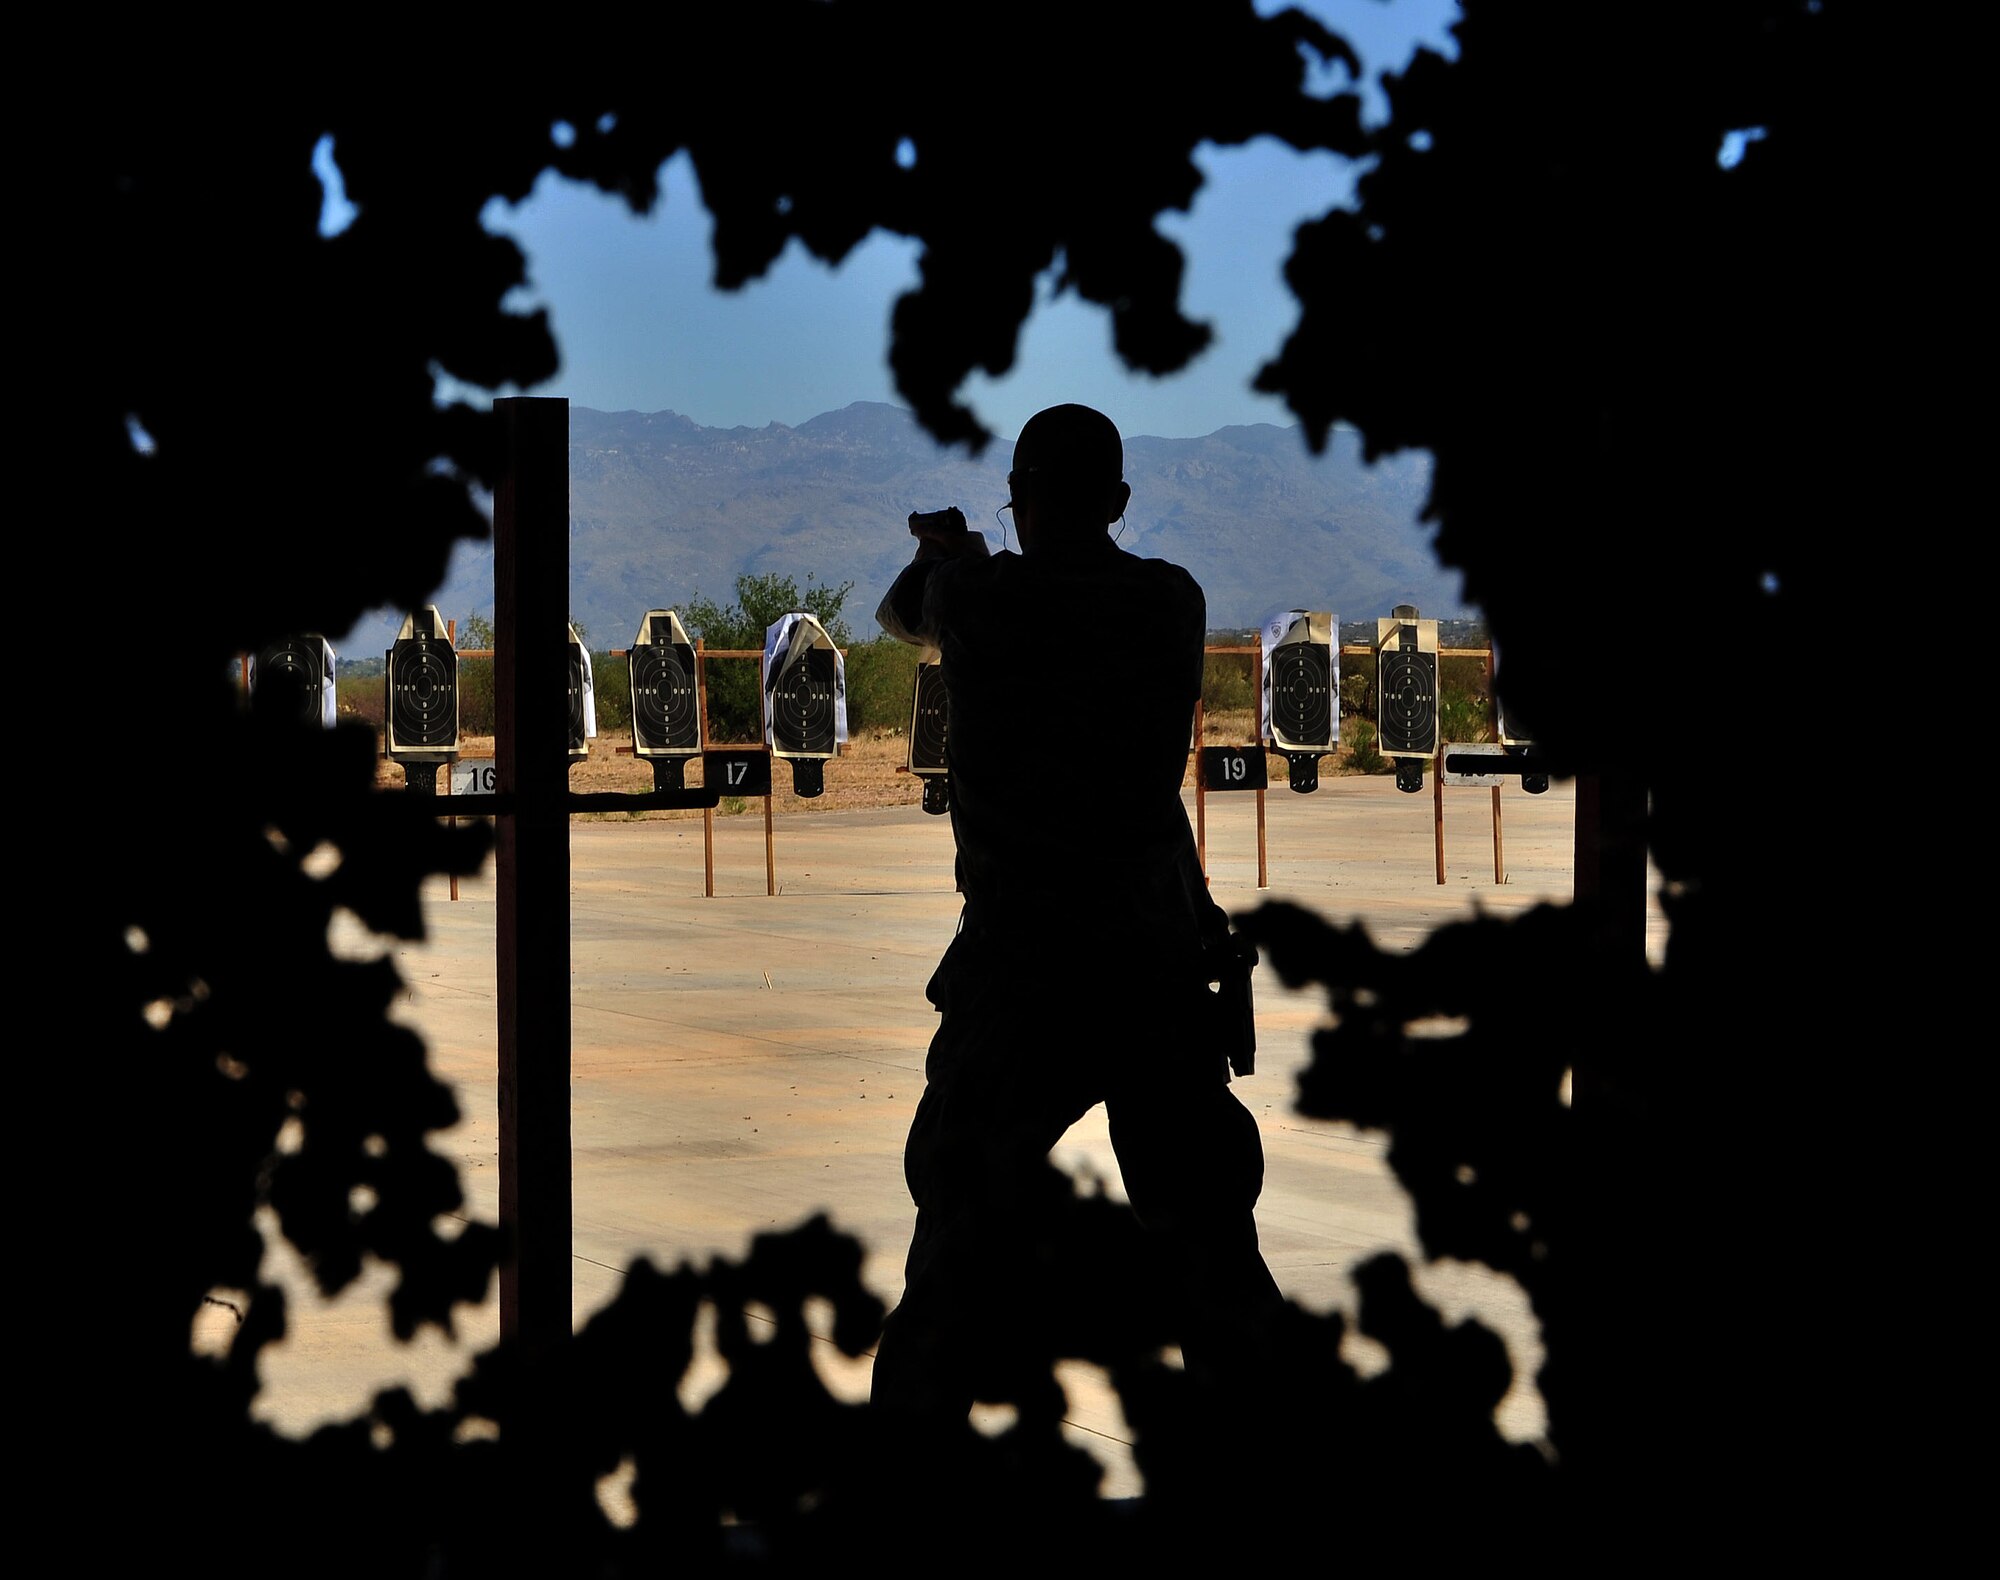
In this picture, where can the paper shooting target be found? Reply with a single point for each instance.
(1409, 702)
(292, 680)
(1300, 698)
(581, 724)
(1299, 701)
(1406, 684)
(805, 698)
(1302, 694)
(928, 716)
(666, 702)
(802, 706)
(1302, 711)
(422, 679)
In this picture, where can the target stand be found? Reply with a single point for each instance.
(805, 704)
(291, 681)
(1484, 765)
(667, 714)
(1299, 692)
(744, 770)
(1406, 693)
(582, 699)
(1534, 772)
(1224, 769)
(929, 717)
(420, 704)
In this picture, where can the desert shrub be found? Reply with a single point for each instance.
(611, 686)
(1465, 713)
(1357, 685)
(881, 684)
(1364, 755)
(1225, 683)
(734, 707)
(475, 696)
(359, 699)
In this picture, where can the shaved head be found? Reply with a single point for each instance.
(1077, 445)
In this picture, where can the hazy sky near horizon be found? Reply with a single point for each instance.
(642, 329)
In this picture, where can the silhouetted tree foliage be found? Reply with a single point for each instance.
(1546, 263)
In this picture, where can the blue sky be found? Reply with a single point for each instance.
(641, 328)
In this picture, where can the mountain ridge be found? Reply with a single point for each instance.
(663, 509)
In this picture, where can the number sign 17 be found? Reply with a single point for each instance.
(737, 773)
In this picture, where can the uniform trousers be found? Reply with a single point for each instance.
(1027, 1045)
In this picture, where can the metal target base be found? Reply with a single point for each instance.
(808, 777)
(669, 773)
(1410, 774)
(1302, 771)
(421, 778)
(937, 795)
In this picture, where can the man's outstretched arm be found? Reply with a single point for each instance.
(942, 537)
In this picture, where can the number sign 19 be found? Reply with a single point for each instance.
(1233, 768)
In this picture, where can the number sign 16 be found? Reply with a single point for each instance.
(474, 777)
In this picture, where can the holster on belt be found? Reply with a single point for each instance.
(1226, 964)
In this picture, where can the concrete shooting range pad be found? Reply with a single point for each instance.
(745, 1061)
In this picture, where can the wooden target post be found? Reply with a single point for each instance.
(1485, 654)
(702, 654)
(451, 636)
(1201, 776)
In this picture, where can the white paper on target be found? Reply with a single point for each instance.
(1320, 626)
(781, 651)
(328, 694)
(328, 715)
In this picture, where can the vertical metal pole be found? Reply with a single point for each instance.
(451, 639)
(770, 795)
(1611, 863)
(770, 836)
(531, 763)
(707, 812)
(1200, 794)
(1437, 806)
(1493, 724)
(1257, 707)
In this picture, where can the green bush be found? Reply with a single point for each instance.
(1357, 686)
(1465, 714)
(734, 707)
(475, 696)
(1363, 755)
(611, 686)
(359, 699)
(881, 684)
(1225, 683)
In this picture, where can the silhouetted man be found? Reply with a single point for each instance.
(1079, 971)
